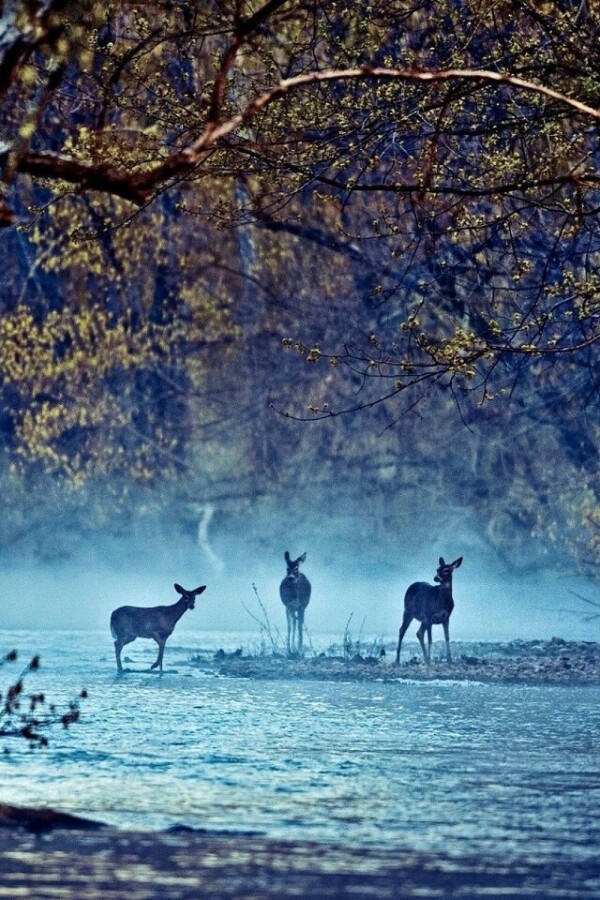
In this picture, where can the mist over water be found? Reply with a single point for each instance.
(444, 767)
(355, 585)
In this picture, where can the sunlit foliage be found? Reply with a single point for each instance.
(403, 196)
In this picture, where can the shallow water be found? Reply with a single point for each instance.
(463, 768)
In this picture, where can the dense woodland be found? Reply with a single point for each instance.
(302, 259)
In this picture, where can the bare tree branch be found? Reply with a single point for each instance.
(139, 187)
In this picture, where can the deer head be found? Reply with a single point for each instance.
(189, 597)
(445, 570)
(293, 565)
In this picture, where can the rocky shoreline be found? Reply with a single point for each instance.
(46, 855)
(557, 661)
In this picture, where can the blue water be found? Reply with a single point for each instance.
(458, 767)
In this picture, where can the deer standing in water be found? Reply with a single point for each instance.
(157, 622)
(295, 594)
(430, 605)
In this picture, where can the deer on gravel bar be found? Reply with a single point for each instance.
(157, 622)
(430, 605)
(295, 594)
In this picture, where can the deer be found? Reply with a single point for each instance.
(157, 622)
(430, 605)
(294, 591)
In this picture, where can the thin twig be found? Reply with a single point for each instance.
(585, 599)
(265, 624)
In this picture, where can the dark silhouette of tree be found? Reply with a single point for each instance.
(30, 716)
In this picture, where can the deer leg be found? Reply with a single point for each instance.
(294, 635)
(300, 618)
(405, 623)
(420, 635)
(118, 648)
(119, 644)
(161, 649)
(429, 642)
(446, 626)
(289, 629)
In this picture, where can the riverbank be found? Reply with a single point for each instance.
(532, 805)
(514, 662)
(46, 856)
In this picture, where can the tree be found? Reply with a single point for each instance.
(488, 170)
(440, 159)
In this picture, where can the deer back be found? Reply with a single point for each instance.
(149, 621)
(295, 591)
(146, 621)
(428, 603)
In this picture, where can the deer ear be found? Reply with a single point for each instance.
(199, 590)
(457, 562)
(442, 563)
(286, 556)
(302, 558)
(179, 589)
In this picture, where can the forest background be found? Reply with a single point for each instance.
(301, 274)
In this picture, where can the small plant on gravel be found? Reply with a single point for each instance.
(268, 636)
(360, 649)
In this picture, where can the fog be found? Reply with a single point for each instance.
(94, 574)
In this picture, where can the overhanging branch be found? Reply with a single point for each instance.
(139, 187)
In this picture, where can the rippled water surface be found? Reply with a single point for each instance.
(428, 766)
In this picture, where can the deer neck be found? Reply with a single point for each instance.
(178, 609)
(445, 590)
